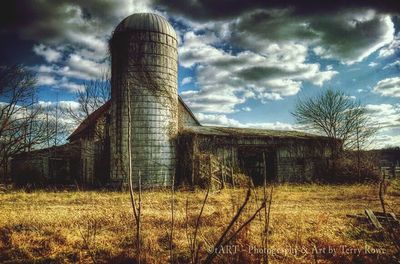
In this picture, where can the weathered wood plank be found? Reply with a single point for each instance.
(373, 219)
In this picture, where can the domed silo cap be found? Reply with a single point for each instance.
(146, 22)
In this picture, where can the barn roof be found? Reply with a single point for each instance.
(61, 150)
(249, 132)
(146, 22)
(188, 110)
(93, 117)
(205, 130)
(90, 120)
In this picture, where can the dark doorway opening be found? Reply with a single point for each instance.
(252, 164)
(59, 170)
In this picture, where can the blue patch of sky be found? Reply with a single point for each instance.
(183, 73)
(355, 80)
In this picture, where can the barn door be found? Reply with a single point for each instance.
(252, 163)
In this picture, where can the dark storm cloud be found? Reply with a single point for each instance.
(281, 24)
(260, 73)
(345, 30)
(50, 20)
(349, 35)
(224, 9)
(70, 36)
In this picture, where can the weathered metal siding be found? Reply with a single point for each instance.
(185, 118)
(144, 81)
(87, 160)
(55, 165)
(287, 160)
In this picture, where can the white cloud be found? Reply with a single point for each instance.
(385, 140)
(197, 49)
(47, 80)
(61, 104)
(69, 105)
(279, 88)
(94, 47)
(84, 66)
(393, 64)
(338, 36)
(186, 80)
(223, 101)
(68, 123)
(373, 64)
(49, 54)
(75, 67)
(390, 49)
(269, 96)
(388, 87)
(246, 109)
(55, 77)
(228, 79)
(217, 120)
(70, 86)
(385, 116)
(223, 120)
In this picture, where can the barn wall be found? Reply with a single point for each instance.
(301, 161)
(287, 160)
(185, 118)
(56, 165)
(94, 154)
(88, 161)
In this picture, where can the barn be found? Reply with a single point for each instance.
(148, 129)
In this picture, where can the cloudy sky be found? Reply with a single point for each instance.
(242, 63)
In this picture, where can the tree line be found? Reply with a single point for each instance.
(347, 123)
(27, 124)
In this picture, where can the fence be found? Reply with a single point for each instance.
(391, 171)
(213, 171)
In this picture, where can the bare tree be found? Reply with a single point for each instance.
(338, 116)
(55, 130)
(22, 123)
(93, 95)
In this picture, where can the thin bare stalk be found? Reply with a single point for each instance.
(264, 234)
(253, 188)
(136, 211)
(87, 238)
(139, 222)
(248, 221)
(187, 226)
(133, 202)
(195, 247)
(172, 219)
(267, 221)
(212, 255)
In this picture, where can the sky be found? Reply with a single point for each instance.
(241, 63)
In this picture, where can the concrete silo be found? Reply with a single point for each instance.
(144, 86)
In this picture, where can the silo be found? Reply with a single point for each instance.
(144, 71)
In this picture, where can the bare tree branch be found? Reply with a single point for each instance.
(338, 116)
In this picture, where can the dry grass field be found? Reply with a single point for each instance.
(308, 225)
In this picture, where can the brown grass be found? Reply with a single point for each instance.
(57, 227)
